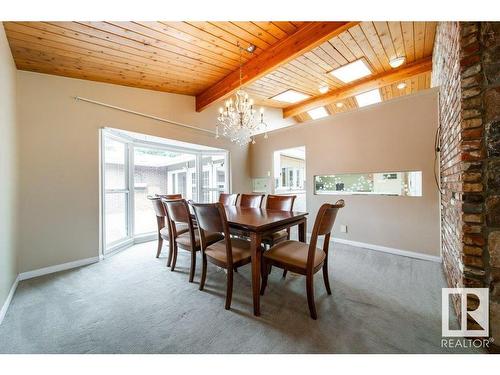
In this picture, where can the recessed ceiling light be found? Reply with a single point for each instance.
(401, 85)
(323, 89)
(339, 105)
(290, 96)
(352, 71)
(317, 113)
(368, 98)
(397, 61)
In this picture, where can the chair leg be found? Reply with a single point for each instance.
(203, 271)
(170, 252)
(229, 290)
(265, 271)
(325, 277)
(310, 296)
(160, 245)
(174, 259)
(284, 273)
(193, 266)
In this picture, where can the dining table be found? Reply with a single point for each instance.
(255, 223)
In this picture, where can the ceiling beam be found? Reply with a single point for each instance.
(367, 84)
(307, 37)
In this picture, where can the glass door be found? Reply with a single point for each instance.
(116, 202)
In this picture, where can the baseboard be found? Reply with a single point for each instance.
(390, 250)
(57, 268)
(8, 300)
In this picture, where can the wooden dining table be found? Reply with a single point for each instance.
(256, 223)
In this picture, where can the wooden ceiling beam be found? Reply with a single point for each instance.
(308, 36)
(367, 84)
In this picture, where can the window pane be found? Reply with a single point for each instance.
(115, 176)
(159, 171)
(116, 217)
(385, 183)
(213, 177)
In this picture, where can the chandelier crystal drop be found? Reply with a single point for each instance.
(238, 120)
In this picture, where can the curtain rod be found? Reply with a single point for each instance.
(144, 115)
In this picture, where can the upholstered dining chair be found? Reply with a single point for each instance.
(178, 213)
(228, 199)
(251, 200)
(305, 259)
(228, 253)
(163, 230)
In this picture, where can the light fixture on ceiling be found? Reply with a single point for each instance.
(352, 71)
(251, 48)
(339, 105)
(397, 61)
(290, 96)
(368, 98)
(317, 113)
(323, 89)
(237, 117)
(401, 85)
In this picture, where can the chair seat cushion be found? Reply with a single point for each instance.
(184, 240)
(294, 253)
(275, 237)
(181, 228)
(241, 250)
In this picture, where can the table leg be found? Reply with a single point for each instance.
(255, 242)
(303, 230)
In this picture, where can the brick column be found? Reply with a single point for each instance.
(466, 68)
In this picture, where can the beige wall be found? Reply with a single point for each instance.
(8, 173)
(59, 157)
(393, 136)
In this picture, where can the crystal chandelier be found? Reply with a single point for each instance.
(237, 118)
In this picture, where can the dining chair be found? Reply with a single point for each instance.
(305, 259)
(227, 253)
(251, 200)
(178, 213)
(278, 203)
(163, 230)
(228, 199)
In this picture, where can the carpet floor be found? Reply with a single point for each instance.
(131, 303)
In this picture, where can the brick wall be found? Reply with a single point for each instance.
(466, 69)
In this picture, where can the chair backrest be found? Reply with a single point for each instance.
(178, 212)
(158, 206)
(280, 202)
(251, 200)
(228, 199)
(211, 218)
(323, 226)
(169, 196)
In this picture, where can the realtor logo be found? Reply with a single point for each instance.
(479, 315)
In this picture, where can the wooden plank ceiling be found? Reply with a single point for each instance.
(190, 57)
(178, 57)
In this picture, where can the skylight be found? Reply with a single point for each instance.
(368, 98)
(317, 113)
(290, 96)
(352, 71)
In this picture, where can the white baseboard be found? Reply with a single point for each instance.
(8, 300)
(57, 268)
(390, 250)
